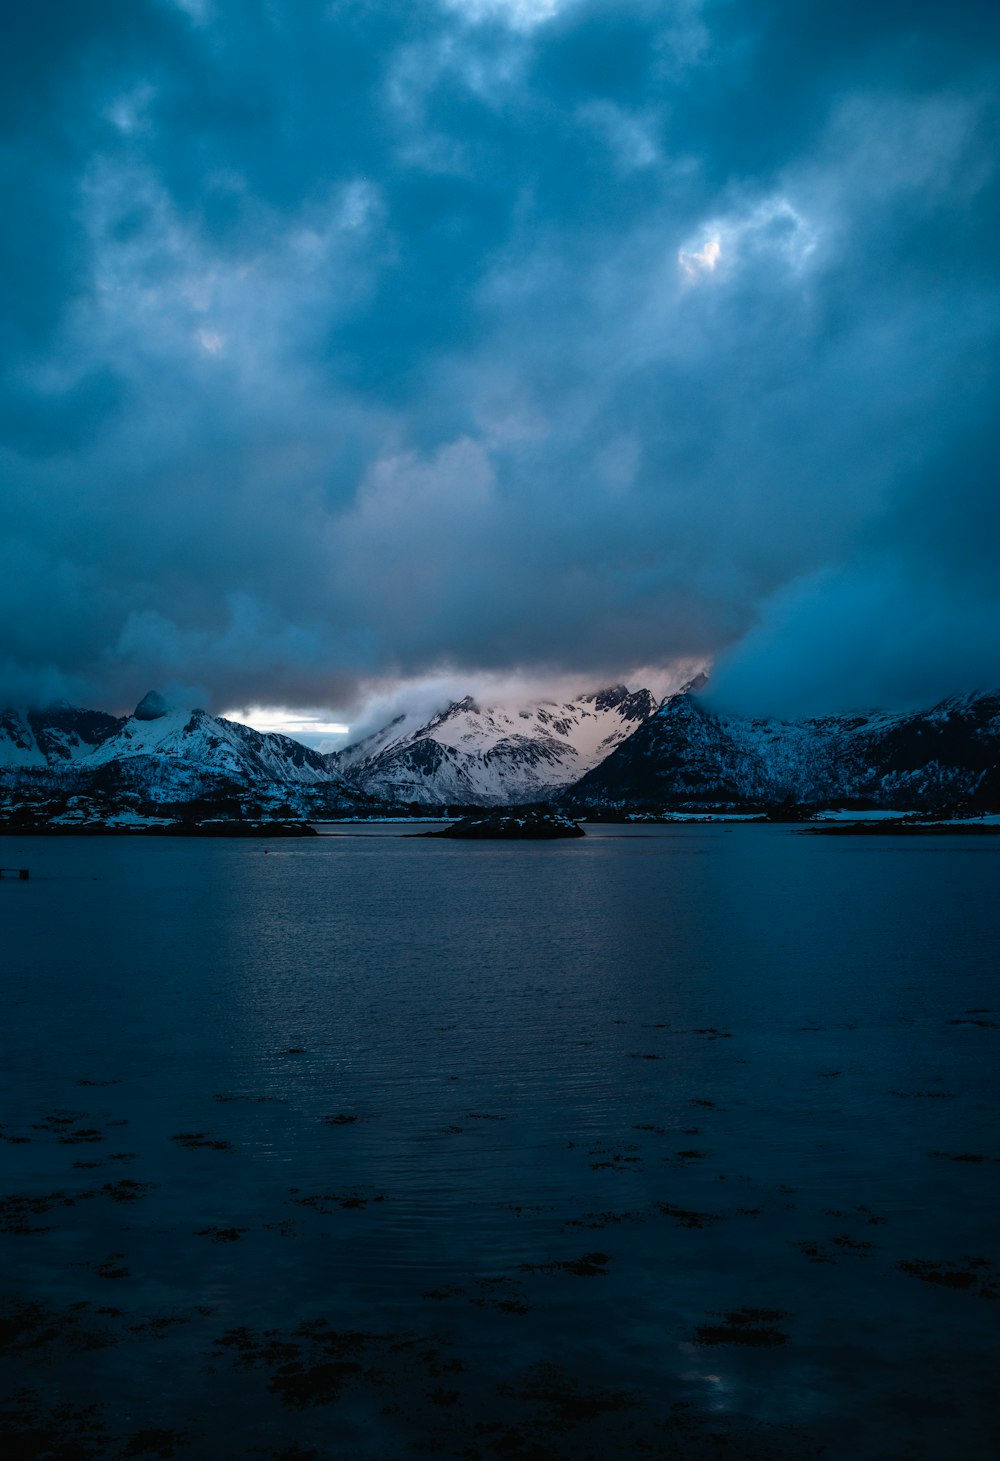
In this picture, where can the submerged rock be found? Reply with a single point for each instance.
(528, 825)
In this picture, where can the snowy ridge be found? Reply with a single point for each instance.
(612, 750)
(162, 754)
(54, 736)
(211, 744)
(688, 757)
(493, 755)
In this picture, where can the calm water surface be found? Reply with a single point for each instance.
(677, 1141)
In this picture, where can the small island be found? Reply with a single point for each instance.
(532, 825)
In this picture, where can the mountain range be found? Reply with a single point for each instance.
(494, 755)
(163, 757)
(687, 758)
(612, 752)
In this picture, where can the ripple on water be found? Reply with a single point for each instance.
(412, 1093)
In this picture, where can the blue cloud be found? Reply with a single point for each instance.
(358, 340)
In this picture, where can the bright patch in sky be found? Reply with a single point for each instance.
(348, 345)
(521, 14)
(196, 9)
(705, 259)
(772, 229)
(311, 727)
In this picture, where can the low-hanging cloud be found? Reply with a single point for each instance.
(364, 343)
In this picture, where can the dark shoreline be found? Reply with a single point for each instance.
(173, 829)
(905, 829)
(238, 829)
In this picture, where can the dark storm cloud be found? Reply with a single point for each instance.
(353, 340)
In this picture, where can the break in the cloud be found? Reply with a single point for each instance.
(357, 342)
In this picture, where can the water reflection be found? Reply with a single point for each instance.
(400, 1085)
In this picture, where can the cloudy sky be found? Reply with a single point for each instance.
(348, 343)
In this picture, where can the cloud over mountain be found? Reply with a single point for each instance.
(357, 340)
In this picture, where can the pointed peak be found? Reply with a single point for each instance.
(693, 687)
(468, 706)
(152, 706)
(609, 697)
(684, 704)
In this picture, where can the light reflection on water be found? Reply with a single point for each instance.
(739, 1022)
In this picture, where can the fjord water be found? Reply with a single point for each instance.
(611, 1147)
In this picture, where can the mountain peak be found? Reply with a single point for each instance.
(632, 705)
(497, 754)
(152, 706)
(693, 687)
(467, 706)
(609, 697)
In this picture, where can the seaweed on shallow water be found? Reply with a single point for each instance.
(325, 1202)
(962, 1274)
(603, 1219)
(17, 1210)
(221, 1235)
(567, 1398)
(155, 1442)
(27, 1326)
(125, 1190)
(158, 1326)
(63, 1432)
(194, 1139)
(588, 1265)
(974, 1158)
(112, 1267)
(314, 1364)
(754, 1328)
(501, 1293)
(687, 1217)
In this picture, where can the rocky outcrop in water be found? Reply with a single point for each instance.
(529, 825)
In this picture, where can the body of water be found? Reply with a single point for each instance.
(673, 1141)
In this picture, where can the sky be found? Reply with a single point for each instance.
(351, 346)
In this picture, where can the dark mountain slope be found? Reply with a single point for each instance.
(687, 757)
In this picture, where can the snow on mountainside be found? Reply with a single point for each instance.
(687, 757)
(608, 751)
(493, 755)
(163, 754)
(171, 753)
(56, 735)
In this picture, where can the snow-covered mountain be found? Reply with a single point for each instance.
(170, 750)
(57, 735)
(686, 757)
(493, 755)
(162, 755)
(611, 751)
